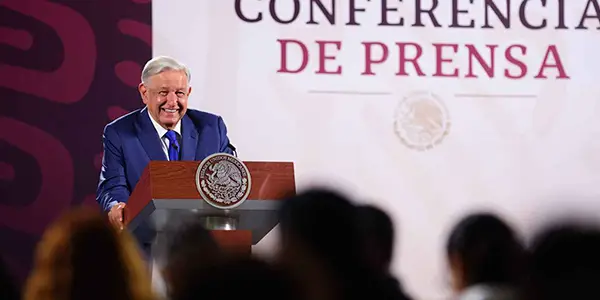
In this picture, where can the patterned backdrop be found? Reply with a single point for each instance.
(66, 69)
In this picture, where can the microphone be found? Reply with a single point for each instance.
(232, 149)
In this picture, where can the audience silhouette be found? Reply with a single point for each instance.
(330, 248)
(486, 258)
(82, 256)
(565, 263)
(8, 286)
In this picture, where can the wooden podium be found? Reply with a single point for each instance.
(166, 194)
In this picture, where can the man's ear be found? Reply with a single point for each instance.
(143, 92)
(189, 91)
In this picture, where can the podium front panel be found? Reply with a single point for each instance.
(164, 215)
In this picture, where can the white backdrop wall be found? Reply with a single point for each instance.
(426, 148)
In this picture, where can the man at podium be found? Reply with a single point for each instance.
(165, 129)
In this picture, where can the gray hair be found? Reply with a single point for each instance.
(160, 64)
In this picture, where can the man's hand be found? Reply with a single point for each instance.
(115, 215)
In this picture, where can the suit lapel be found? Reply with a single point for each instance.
(148, 136)
(189, 139)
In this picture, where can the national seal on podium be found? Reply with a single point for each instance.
(223, 181)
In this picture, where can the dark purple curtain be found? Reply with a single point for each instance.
(66, 69)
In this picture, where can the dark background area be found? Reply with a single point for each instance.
(67, 68)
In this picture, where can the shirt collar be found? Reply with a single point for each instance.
(162, 131)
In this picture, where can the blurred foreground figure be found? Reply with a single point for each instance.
(486, 259)
(565, 263)
(234, 278)
(322, 246)
(83, 257)
(378, 240)
(378, 230)
(191, 248)
(8, 286)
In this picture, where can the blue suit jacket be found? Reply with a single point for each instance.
(131, 142)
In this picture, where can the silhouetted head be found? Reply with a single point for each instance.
(82, 256)
(565, 263)
(235, 278)
(192, 237)
(322, 241)
(378, 236)
(483, 249)
(324, 223)
(190, 246)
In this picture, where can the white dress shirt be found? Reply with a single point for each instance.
(162, 132)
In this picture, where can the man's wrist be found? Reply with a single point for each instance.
(111, 204)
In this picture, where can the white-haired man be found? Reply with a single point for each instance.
(165, 129)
